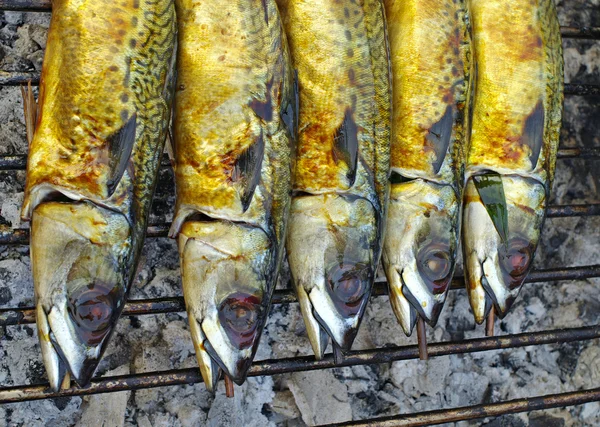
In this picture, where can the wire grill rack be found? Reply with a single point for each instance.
(20, 316)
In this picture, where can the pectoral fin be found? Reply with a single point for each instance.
(438, 138)
(247, 170)
(120, 145)
(345, 145)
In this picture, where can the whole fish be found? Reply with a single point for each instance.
(342, 178)
(516, 124)
(235, 126)
(431, 61)
(104, 108)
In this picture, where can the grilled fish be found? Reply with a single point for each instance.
(431, 60)
(342, 177)
(235, 126)
(516, 124)
(104, 108)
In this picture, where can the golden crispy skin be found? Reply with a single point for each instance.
(340, 51)
(100, 70)
(234, 87)
(430, 54)
(518, 103)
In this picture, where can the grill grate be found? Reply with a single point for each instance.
(20, 316)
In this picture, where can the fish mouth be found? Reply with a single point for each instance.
(77, 251)
(228, 276)
(420, 249)
(495, 267)
(333, 247)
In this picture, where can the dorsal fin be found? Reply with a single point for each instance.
(533, 133)
(438, 138)
(120, 145)
(345, 145)
(246, 172)
(491, 191)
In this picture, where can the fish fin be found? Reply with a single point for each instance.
(439, 136)
(264, 109)
(247, 170)
(290, 115)
(345, 145)
(491, 191)
(30, 110)
(170, 148)
(533, 133)
(120, 146)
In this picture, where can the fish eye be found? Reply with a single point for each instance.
(92, 309)
(515, 257)
(239, 314)
(435, 262)
(348, 284)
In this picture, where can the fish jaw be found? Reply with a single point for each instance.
(420, 247)
(228, 275)
(78, 251)
(496, 270)
(333, 249)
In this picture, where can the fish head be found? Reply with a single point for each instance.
(228, 274)
(332, 249)
(79, 252)
(498, 257)
(420, 249)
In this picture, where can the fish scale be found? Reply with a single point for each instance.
(105, 93)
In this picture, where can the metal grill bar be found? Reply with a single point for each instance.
(20, 236)
(19, 161)
(307, 363)
(537, 403)
(26, 315)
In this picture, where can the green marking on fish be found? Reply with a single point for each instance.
(490, 189)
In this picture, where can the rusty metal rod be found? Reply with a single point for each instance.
(422, 339)
(19, 161)
(464, 413)
(307, 363)
(26, 5)
(20, 236)
(582, 90)
(26, 315)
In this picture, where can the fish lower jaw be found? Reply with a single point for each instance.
(212, 362)
(66, 357)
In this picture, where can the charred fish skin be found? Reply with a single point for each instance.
(235, 126)
(515, 131)
(430, 43)
(104, 100)
(337, 221)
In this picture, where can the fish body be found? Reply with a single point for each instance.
(430, 47)
(104, 103)
(341, 184)
(515, 131)
(234, 129)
